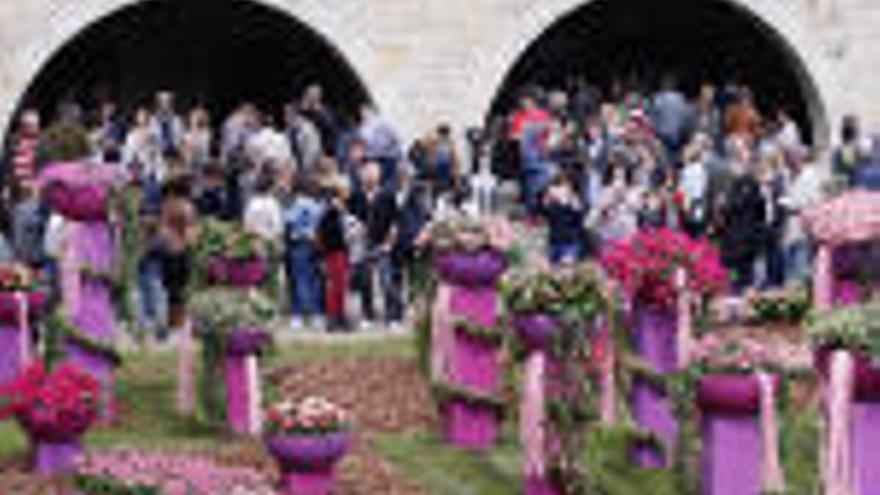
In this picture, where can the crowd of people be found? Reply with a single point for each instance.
(344, 200)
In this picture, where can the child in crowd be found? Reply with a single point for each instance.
(565, 213)
(301, 220)
(335, 253)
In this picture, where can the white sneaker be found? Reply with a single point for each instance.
(296, 323)
(396, 327)
(318, 323)
(366, 325)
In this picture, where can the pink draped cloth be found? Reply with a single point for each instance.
(684, 330)
(838, 475)
(823, 278)
(441, 333)
(82, 173)
(532, 415)
(185, 371)
(772, 477)
(24, 331)
(71, 280)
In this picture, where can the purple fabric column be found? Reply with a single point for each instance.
(655, 342)
(469, 426)
(10, 350)
(478, 305)
(55, 458)
(237, 400)
(307, 483)
(847, 292)
(865, 439)
(474, 363)
(101, 368)
(731, 454)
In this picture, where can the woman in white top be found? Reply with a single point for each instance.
(142, 148)
(263, 214)
(197, 141)
(615, 216)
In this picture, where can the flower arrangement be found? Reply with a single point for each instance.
(52, 405)
(780, 307)
(855, 328)
(312, 416)
(223, 310)
(645, 264)
(229, 241)
(468, 234)
(17, 277)
(714, 354)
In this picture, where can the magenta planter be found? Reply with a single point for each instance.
(865, 439)
(731, 434)
(536, 485)
(55, 458)
(10, 307)
(655, 341)
(470, 426)
(307, 462)
(536, 330)
(237, 272)
(79, 202)
(476, 363)
(867, 379)
(242, 379)
(478, 268)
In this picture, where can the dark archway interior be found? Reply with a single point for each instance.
(215, 52)
(638, 42)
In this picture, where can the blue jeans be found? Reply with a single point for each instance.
(798, 260)
(571, 251)
(303, 277)
(536, 178)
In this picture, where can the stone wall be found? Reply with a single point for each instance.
(430, 60)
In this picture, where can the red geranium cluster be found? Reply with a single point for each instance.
(313, 416)
(60, 404)
(646, 263)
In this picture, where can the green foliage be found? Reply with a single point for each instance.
(856, 328)
(786, 307)
(59, 332)
(99, 485)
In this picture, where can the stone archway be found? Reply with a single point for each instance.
(71, 47)
(783, 25)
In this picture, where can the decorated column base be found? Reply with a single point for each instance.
(54, 458)
(469, 425)
(307, 483)
(866, 438)
(241, 376)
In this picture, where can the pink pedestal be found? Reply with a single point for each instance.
(865, 442)
(54, 458)
(540, 486)
(470, 427)
(655, 341)
(475, 363)
(307, 483)
(10, 353)
(731, 455)
(242, 418)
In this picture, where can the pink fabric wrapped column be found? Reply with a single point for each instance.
(656, 343)
(91, 305)
(241, 375)
(475, 363)
(823, 278)
(470, 426)
(11, 358)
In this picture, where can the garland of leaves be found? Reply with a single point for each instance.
(489, 335)
(105, 485)
(445, 392)
(60, 331)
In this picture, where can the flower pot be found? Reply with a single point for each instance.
(10, 309)
(475, 363)
(54, 447)
(536, 330)
(237, 272)
(247, 341)
(307, 462)
(79, 202)
(867, 374)
(478, 268)
(540, 485)
(731, 394)
(470, 426)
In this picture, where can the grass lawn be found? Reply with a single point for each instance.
(146, 397)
